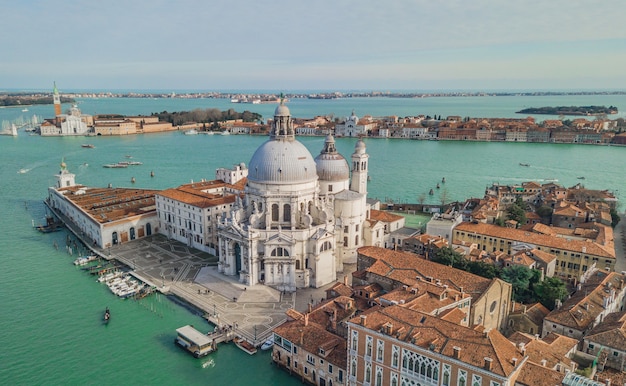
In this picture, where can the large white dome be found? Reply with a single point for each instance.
(282, 162)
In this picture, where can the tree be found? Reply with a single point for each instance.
(483, 269)
(544, 211)
(519, 277)
(517, 212)
(614, 218)
(549, 290)
(447, 256)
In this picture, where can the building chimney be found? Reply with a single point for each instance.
(514, 361)
(363, 319)
(544, 362)
(345, 280)
(310, 307)
(488, 362)
(522, 348)
(457, 352)
(306, 319)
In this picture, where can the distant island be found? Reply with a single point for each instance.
(570, 110)
(22, 99)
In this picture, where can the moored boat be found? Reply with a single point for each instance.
(107, 315)
(87, 145)
(268, 344)
(244, 345)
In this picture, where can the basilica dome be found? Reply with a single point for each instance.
(331, 166)
(282, 161)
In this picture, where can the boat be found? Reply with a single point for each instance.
(521, 164)
(438, 186)
(244, 345)
(24, 110)
(13, 130)
(84, 260)
(431, 192)
(151, 174)
(268, 344)
(581, 178)
(225, 132)
(23, 171)
(191, 132)
(107, 315)
(116, 165)
(52, 225)
(132, 163)
(87, 145)
(192, 340)
(443, 180)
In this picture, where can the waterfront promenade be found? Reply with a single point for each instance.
(191, 276)
(176, 269)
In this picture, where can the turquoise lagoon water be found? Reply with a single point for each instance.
(50, 311)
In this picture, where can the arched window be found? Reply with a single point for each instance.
(274, 212)
(280, 252)
(287, 212)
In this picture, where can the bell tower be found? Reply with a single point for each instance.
(56, 98)
(358, 180)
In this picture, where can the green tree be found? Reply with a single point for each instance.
(483, 269)
(448, 256)
(549, 290)
(544, 211)
(519, 276)
(517, 212)
(614, 218)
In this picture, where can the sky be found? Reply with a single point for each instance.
(325, 45)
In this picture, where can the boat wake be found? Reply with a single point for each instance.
(209, 363)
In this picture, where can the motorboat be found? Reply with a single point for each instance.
(521, 164)
(107, 315)
(244, 345)
(191, 132)
(116, 165)
(268, 344)
(87, 145)
(84, 260)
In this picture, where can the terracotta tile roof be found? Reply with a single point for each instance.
(204, 194)
(535, 312)
(591, 248)
(310, 337)
(340, 289)
(543, 229)
(553, 348)
(384, 216)
(441, 336)
(406, 267)
(111, 204)
(454, 315)
(617, 377)
(533, 374)
(610, 332)
(584, 306)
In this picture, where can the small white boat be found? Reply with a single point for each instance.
(24, 110)
(267, 345)
(84, 260)
(225, 132)
(191, 132)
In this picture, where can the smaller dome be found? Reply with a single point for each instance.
(282, 111)
(331, 166)
(359, 148)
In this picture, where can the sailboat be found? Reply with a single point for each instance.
(13, 130)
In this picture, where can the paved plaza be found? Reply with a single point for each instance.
(176, 269)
